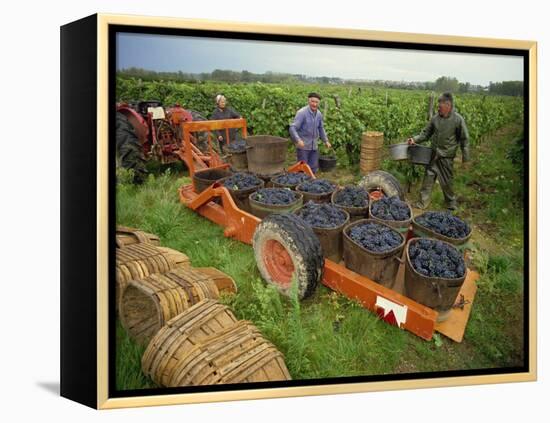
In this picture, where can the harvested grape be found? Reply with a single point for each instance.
(275, 196)
(240, 181)
(317, 186)
(237, 146)
(291, 179)
(444, 223)
(322, 215)
(434, 258)
(391, 208)
(351, 196)
(375, 237)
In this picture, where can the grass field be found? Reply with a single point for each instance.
(328, 335)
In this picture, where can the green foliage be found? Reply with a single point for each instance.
(516, 154)
(446, 83)
(270, 108)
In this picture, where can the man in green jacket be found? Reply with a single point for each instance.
(447, 131)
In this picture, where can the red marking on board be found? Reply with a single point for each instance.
(390, 318)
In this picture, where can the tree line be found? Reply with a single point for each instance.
(441, 84)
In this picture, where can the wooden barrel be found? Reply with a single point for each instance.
(371, 151)
(137, 261)
(173, 341)
(126, 236)
(147, 304)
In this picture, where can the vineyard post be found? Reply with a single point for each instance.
(431, 105)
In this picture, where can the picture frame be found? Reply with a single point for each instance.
(88, 202)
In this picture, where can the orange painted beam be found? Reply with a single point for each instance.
(301, 166)
(214, 125)
(420, 319)
(238, 223)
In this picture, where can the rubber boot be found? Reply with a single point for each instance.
(426, 191)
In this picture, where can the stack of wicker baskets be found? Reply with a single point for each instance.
(127, 236)
(147, 304)
(371, 151)
(167, 305)
(139, 260)
(207, 345)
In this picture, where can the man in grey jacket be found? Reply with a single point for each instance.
(306, 129)
(448, 132)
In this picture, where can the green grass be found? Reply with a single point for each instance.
(328, 335)
(128, 359)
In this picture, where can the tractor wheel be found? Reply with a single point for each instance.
(379, 180)
(128, 148)
(287, 250)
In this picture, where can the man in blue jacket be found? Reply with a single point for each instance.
(306, 129)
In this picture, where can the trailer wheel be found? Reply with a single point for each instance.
(383, 181)
(287, 250)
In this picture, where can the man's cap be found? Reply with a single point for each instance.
(314, 95)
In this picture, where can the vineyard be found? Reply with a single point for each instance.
(348, 110)
(330, 335)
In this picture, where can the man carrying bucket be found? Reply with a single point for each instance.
(447, 131)
(306, 129)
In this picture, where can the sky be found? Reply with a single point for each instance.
(196, 54)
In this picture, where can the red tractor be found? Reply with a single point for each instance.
(146, 130)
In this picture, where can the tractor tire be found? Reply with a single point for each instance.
(128, 148)
(384, 181)
(286, 251)
(196, 115)
(201, 137)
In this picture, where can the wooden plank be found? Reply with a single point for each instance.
(455, 325)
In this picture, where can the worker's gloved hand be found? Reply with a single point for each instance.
(300, 144)
(329, 145)
(410, 141)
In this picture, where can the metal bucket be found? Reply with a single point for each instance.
(204, 178)
(355, 213)
(331, 239)
(437, 293)
(266, 154)
(419, 154)
(380, 267)
(327, 163)
(262, 210)
(399, 151)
